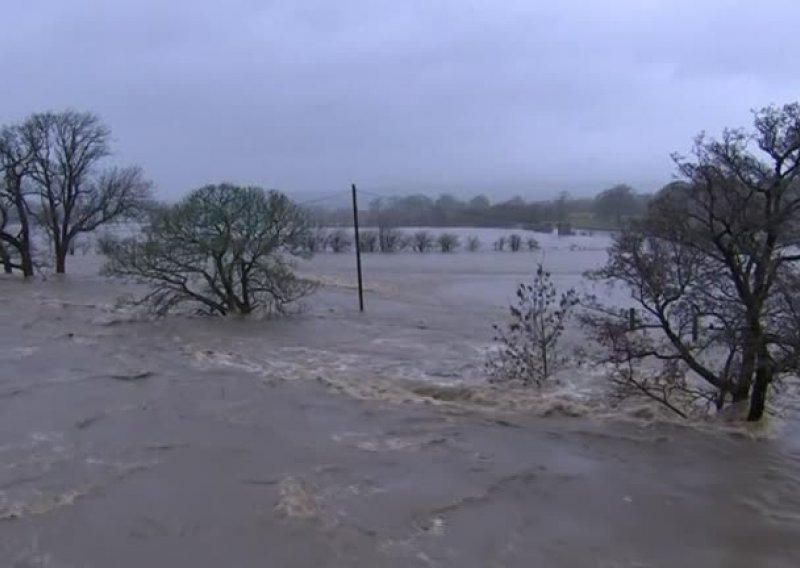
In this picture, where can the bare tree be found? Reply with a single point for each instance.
(15, 227)
(405, 242)
(318, 240)
(339, 241)
(529, 342)
(514, 242)
(68, 148)
(713, 267)
(368, 240)
(473, 243)
(423, 241)
(389, 239)
(223, 249)
(448, 242)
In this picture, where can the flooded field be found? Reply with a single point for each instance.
(315, 441)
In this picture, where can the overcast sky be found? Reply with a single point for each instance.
(501, 96)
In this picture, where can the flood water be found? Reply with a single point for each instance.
(310, 441)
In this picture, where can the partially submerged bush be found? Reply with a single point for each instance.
(423, 241)
(533, 244)
(473, 243)
(406, 242)
(317, 240)
(368, 240)
(514, 242)
(448, 242)
(529, 342)
(223, 249)
(339, 241)
(500, 244)
(389, 239)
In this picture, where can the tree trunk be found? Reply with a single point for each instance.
(758, 397)
(6, 260)
(26, 260)
(748, 367)
(22, 246)
(719, 401)
(758, 400)
(545, 370)
(61, 260)
(759, 365)
(741, 393)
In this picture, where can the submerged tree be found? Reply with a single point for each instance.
(713, 269)
(368, 240)
(422, 241)
(15, 222)
(224, 249)
(318, 239)
(339, 241)
(448, 242)
(389, 239)
(74, 196)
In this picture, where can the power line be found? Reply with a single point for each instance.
(373, 194)
(324, 198)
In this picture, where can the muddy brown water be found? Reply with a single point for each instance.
(184, 442)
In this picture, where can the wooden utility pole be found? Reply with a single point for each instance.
(358, 252)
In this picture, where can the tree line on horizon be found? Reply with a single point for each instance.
(607, 210)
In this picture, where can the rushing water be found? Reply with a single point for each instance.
(312, 441)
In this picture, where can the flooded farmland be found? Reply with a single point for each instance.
(322, 440)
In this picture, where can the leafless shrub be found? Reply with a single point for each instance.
(448, 242)
(368, 240)
(533, 244)
(389, 239)
(317, 240)
(514, 242)
(473, 243)
(529, 351)
(339, 240)
(500, 244)
(423, 241)
(405, 243)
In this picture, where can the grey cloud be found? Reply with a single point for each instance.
(458, 95)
